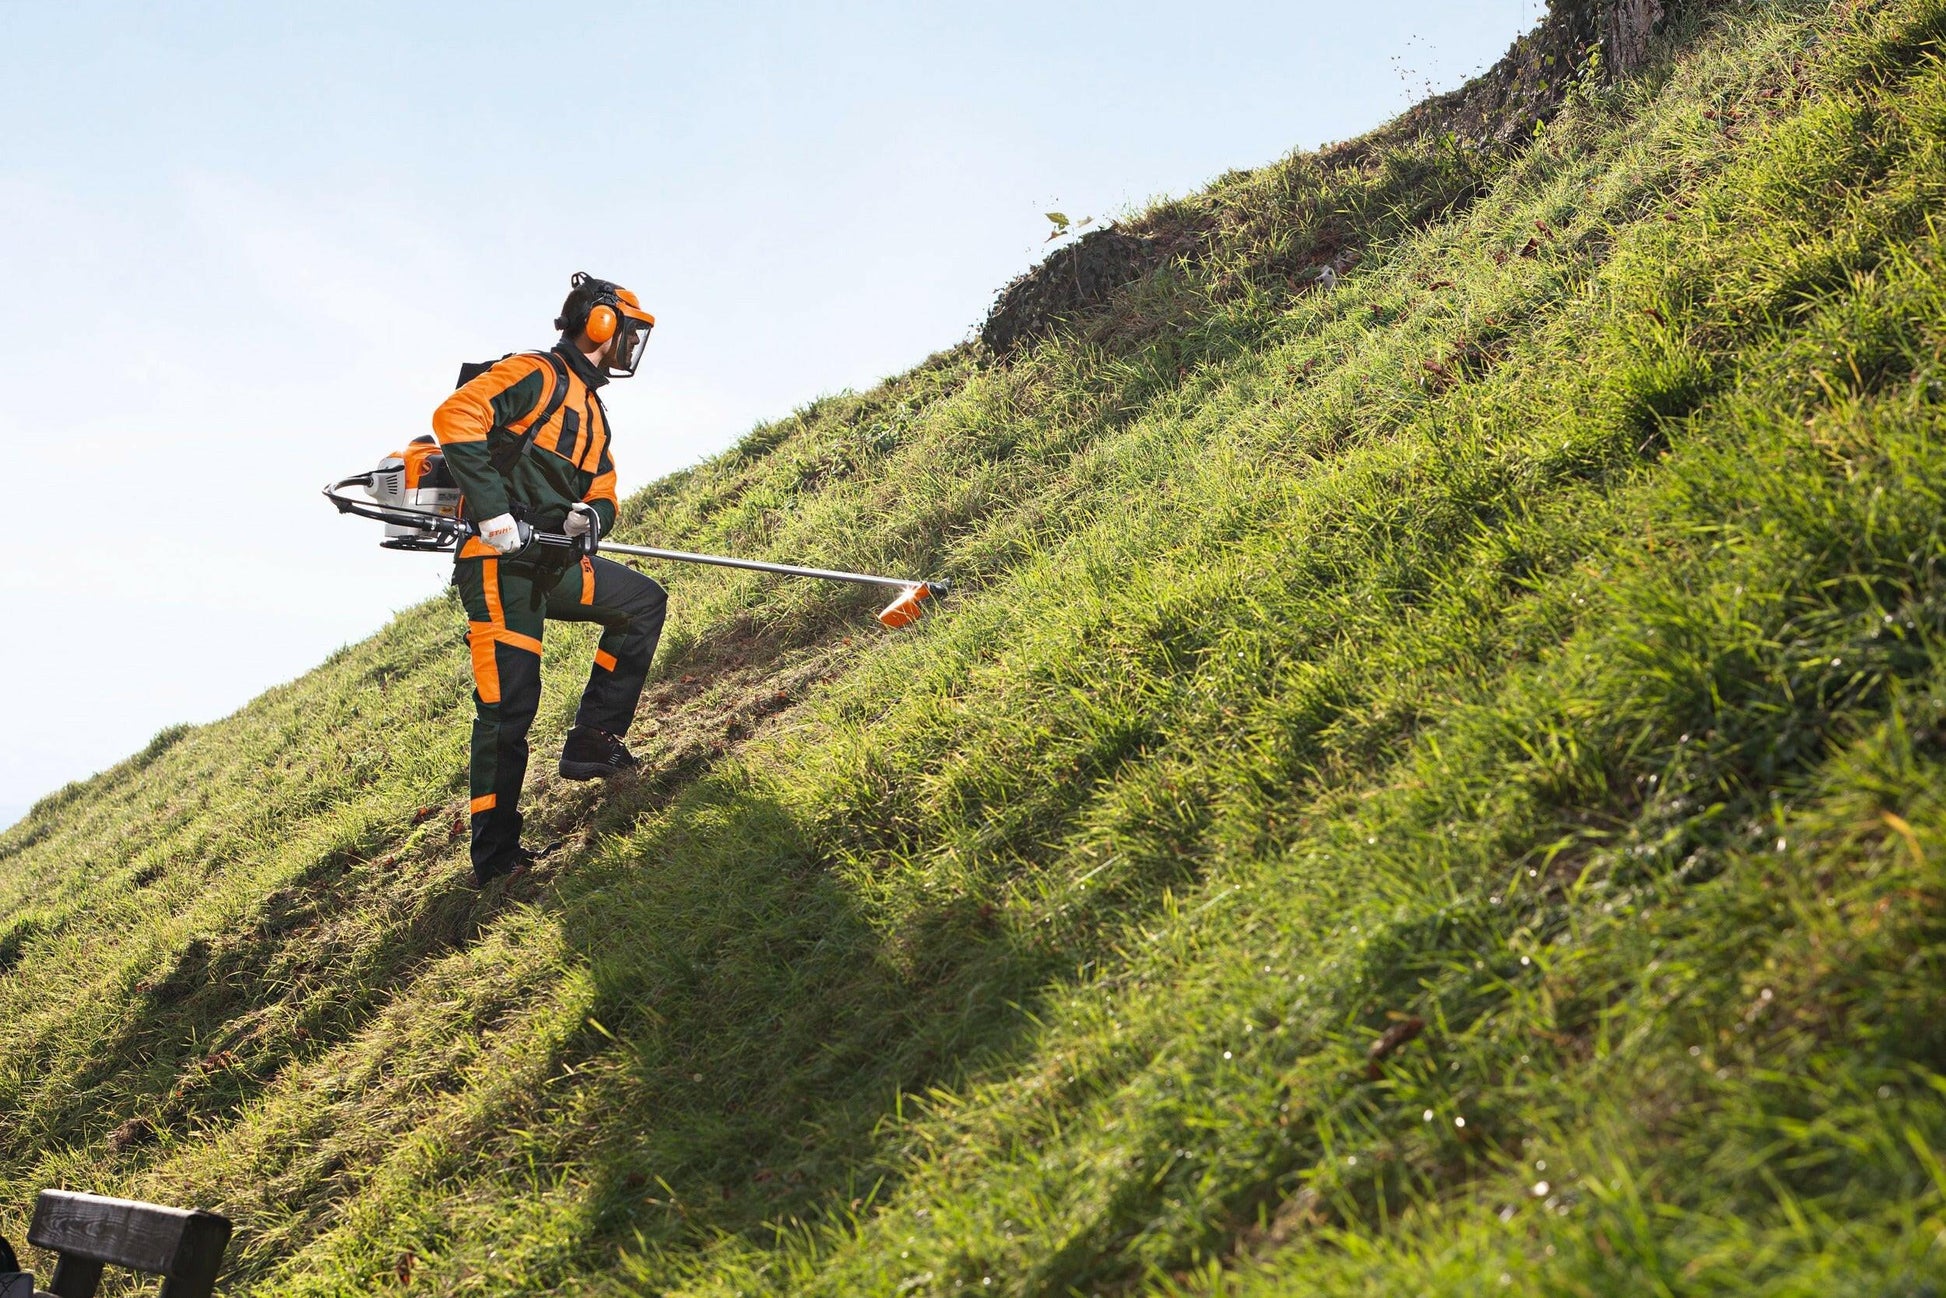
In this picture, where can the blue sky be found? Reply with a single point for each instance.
(244, 249)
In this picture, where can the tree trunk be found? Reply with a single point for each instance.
(1625, 34)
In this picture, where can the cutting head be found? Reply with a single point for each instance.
(906, 608)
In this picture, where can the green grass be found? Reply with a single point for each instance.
(1541, 637)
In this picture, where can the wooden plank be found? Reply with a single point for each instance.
(144, 1236)
(122, 1231)
(86, 1230)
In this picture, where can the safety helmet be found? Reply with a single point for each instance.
(604, 310)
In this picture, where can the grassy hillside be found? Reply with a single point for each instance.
(1428, 787)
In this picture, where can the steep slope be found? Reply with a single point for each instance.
(1429, 786)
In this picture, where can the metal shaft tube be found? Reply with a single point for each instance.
(757, 565)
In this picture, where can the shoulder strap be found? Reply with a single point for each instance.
(505, 462)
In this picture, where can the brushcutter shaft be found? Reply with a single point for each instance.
(757, 565)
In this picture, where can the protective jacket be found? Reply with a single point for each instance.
(513, 448)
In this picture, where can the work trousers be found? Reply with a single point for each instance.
(507, 604)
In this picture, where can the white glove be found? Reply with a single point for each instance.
(501, 532)
(580, 521)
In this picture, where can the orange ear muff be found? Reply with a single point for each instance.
(601, 324)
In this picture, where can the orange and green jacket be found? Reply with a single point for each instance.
(484, 428)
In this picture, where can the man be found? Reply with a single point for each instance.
(527, 442)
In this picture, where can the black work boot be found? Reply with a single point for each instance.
(511, 866)
(591, 754)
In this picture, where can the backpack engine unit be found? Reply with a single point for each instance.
(415, 481)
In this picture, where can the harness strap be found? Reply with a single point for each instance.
(504, 463)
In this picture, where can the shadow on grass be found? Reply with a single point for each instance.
(222, 1013)
(226, 1012)
(767, 1023)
